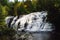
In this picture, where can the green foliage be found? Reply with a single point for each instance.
(6, 33)
(21, 8)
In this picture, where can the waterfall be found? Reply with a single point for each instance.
(33, 22)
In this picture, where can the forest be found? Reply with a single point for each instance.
(25, 7)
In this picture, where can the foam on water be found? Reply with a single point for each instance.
(33, 22)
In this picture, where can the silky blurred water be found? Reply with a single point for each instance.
(34, 23)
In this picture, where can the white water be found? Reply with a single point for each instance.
(33, 22)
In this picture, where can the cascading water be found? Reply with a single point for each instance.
(33, 22)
